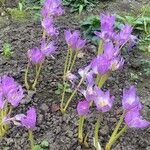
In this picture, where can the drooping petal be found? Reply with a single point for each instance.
(134, 120)
(29, 120)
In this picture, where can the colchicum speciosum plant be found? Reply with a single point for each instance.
(36, 56)
(108, 59)
(89, 83)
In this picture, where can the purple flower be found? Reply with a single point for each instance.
(6, 84)
(117, 63)
(74, 40)
(124, 34)
(2, 102)
(134, 119)
(84, 72)
(100, 64)
(29, 120)
(52, 8)
(49, 27)
(71, 77)
(103, 100)
(83, 108)
(10, 91)
(130, 99)
(89, 93)
(15, 95)
(107, 22)
(48, 49)
(107, 27)
(35, 56)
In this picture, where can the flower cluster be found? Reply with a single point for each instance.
(10, 92)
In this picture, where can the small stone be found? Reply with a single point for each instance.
(44, 107)
(104, 130)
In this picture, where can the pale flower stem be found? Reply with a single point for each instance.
(72, 95)
(100, 48)
(37, 76)
(73, 62)
(114, 134)
(31, 139)
(26, 77)
(80, 129)
(96, 131)
(116, 137)
(70, 60)
(64, 79)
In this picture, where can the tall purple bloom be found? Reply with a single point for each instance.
(117, 63)
(48, 49)
(107, 22)
(101, 64)
(103, 100)
(52, 8)
(6, 84)
(124, 35)
(29, 120)
(15, 96)
(74, 40)
(83, 108)
(35, 56)
(134, 119)
(48, 25)
(10, 91)
(130, 99)
(107, 26)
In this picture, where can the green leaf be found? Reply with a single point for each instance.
(45, 143)
(20, 6)
(81, 9)
(58, 92)
(37, 147)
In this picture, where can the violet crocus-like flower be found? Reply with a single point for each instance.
(48, 25)
(89, 93)
(15, 96)
(83, 108)
(130, 99)
(107, 27)
(74, 40)
(29, 120)
(124, 35)
(48, 49)
(103, 100)
(100, 64)
(10, 91)
(7, 83)
(134, 119)
(107, 22)
(117, 63)
(52, 8)
(83, 72)
(35, 56)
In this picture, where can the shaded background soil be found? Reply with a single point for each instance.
(61, 131)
